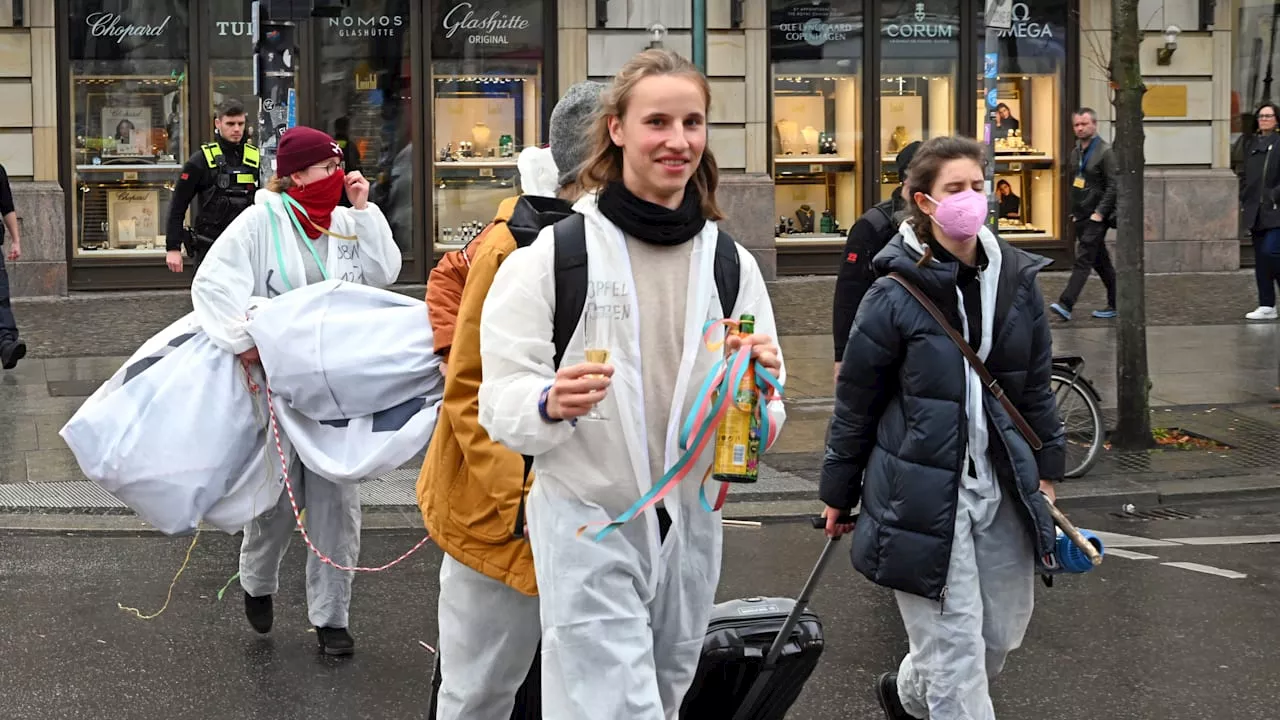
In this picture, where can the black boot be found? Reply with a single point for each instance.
(11, 353)
(259, 612)
(887, 694)
(335, 641)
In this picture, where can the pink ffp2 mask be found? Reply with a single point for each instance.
(962, 215)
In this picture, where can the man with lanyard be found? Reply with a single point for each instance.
(1093, 207)
(224, 174)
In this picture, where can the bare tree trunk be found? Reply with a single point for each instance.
(1133, 427)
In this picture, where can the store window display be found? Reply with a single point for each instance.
(366, 103)
(129, 102)
(919, 56)
(816, 50)
(231, 55)
(1029, 121)
(487, 105)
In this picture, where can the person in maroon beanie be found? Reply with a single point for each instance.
(296, 234)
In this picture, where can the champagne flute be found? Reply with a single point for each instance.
(595, 341)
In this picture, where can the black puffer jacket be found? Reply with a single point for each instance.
(898, 438)
(1260, 183)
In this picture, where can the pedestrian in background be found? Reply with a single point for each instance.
(1093, 209)
(1259, 171)
(12, 349)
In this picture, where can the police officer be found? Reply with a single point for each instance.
(225, 176)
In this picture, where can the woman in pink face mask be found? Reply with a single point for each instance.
(954, 500)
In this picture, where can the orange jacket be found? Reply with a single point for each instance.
(469, 489)
(446, 280)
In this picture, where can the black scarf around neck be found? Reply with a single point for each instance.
(651, 223)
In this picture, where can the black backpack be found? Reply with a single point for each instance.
(571, 297)
(881, 218)
(571, 278)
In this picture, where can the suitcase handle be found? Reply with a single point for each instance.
(793, 619)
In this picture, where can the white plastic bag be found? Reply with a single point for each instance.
(173, 431)
(358, 449)
(337, 349)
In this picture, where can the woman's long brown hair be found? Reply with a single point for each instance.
(604, 162)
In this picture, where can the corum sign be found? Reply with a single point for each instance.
(917, 29)
(1024, 27)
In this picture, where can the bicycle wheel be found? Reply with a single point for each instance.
(1082, 421)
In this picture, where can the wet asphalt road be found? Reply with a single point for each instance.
(1134, 639)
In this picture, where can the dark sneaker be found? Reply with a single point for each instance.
(887, 694)
(259, 612)
(1105, 314)
(335, 641)
(1061, 310)
(11, 353)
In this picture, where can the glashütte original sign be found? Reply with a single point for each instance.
(471, 28)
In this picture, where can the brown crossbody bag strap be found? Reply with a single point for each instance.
(974, 361)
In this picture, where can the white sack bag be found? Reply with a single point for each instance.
(258, 486)
(337, 349)
(172, 432)
(359, 449)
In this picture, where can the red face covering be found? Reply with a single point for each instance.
(318, 199)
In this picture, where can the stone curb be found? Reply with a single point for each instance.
(774, 507)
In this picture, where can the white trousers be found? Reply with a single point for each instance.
(959, 644)
(333, 522)
(489, 636)
(613, 646)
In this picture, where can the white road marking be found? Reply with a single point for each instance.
(1118, 540)
(1227, 540)
(1130, 555)
(1208, 570)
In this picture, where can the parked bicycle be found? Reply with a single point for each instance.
(1080, 407)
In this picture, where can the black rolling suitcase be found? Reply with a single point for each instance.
(758, 654)
(756, 657)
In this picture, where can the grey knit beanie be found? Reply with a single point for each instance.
(570, 121)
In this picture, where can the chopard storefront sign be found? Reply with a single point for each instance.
(111, 25)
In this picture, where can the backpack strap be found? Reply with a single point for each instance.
(571, 280)
(881, 220)
(728, 272)
(571, 298)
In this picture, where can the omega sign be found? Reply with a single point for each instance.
(1023, 27)
(105, 24)
(480, 29)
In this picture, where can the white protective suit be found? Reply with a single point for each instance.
(489, 631)
(623, 619)
(246, 262)
(959, 645)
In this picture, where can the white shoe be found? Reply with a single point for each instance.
(1262, 313)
